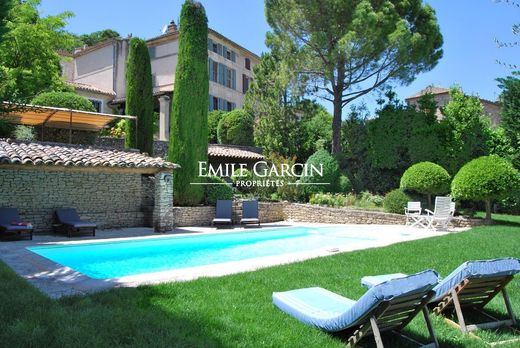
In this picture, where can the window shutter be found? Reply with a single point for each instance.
(151, 51)
(233, 56)
(222, 74)
(224, 50)
(210, 44)
(219, 49)
(233, 106)
(234, 78)
(210, 104)
(210, 68)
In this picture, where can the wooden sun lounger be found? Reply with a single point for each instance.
(393, 316)
(475, 293)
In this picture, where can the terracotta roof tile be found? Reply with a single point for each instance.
(236, 151)
(32, 153)
(431, 90)
(90, 88)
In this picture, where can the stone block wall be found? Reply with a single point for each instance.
(320, 214)
(112, 200)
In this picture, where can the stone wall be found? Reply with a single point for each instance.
(203, 215)
(112, 200)
(160, 148)
(320, 214)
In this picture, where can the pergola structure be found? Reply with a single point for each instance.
(52, 117)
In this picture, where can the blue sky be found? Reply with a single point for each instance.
(469, 28)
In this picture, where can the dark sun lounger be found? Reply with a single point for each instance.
(10, 223)
(72, 223)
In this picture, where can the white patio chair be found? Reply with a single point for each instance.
(441, 216)
(413, 213)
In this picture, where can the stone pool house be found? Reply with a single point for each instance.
(113, 188)
(98, 73)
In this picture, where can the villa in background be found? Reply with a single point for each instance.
(442, 97)
(98, 73)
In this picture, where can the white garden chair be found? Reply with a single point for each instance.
(441, 216)
(413, 213)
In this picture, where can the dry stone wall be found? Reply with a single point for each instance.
(111, 200)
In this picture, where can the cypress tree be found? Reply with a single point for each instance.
(139, 97)
(189, 117)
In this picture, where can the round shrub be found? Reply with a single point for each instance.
(67, 100)
(344, 185)
(395, 201)
(236, 127)
(427, 178)
(220, 190)
(214, 118)
(331, 174)
(485, 179)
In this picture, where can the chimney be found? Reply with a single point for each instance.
(171, 27)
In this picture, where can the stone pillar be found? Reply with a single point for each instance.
(163, 202)
(164, 117)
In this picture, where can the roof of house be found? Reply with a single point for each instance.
(430, 90)
(235, 151)
(65, 155)
(435, 90)
(90, 88)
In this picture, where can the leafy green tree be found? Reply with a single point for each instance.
(347, 48)
(466, 132)
(96, 37)
(395, 122)
(214, 118)
(68, 100)
(515, 31)
(315, 131)
(269, 101)
(29, 62)
(510, 113)
(485, 179)
(426, 178)
(5, 7)
(139, 97)
(236, 127)
(328, 182)
(189, 117)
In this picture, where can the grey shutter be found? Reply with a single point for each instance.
(210, 68)
(210, 104)
(233, 56)
(234, 78)
(210, 44)
(219, 49)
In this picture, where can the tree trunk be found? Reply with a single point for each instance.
(336, 124)
(429, 201)
(488, 212)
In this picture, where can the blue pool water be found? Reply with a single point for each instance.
(130, 257)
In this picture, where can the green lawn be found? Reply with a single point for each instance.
(236, 310)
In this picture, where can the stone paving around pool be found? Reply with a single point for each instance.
(57, 281)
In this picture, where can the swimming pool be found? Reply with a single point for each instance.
(115, 259)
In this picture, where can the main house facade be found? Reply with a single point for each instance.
(98, 73)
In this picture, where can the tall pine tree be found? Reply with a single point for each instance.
(189, 117)
(139, 97)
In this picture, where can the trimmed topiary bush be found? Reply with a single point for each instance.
(189, 117)
(236, 127)
(220, 190)
(331, 174)
(344, 185)
(395, 201)
(485, 179)
(214, 118)
(427, 178)
(68, 100)
(139, 97)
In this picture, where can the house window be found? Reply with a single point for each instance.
(229, 106)
(97, 104)
(248, 64)
(215, 103)
(215, 47)
(245, 83)
(229, 78)
(228, 55)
